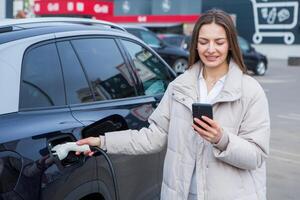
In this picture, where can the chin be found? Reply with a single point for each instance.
(212, 64)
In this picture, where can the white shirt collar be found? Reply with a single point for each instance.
(222, 79)
(206, 97)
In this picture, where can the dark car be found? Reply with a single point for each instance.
(176, 57)
(66, 79)
(254, 60)
(179, 40)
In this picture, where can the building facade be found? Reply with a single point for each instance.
(267, 24)
(6, 8)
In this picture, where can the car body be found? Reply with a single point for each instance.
(176, 57)
(66, 79)
(255, 61)
(179, 40)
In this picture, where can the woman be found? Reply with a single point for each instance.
(222, 160)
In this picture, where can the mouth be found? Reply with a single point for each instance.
(211, 58)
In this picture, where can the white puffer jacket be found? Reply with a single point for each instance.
(233, 169)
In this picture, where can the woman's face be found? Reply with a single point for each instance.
(213, 45)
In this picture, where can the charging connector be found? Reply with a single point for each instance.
(62, 150)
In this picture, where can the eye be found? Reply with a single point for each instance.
(220, 42)
(202, 42)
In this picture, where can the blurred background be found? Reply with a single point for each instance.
(267, 24)
(269, 36)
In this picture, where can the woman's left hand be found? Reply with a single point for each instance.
(211, 132)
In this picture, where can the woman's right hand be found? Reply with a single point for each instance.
(91, 141)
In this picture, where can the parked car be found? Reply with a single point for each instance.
(179, 40)
(66, 79)
(255, 61)
(176, 57)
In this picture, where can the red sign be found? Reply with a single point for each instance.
(73, 7)
(151, 18)
(103, 10)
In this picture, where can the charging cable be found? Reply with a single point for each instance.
(62, 150)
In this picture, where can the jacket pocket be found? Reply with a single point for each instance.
(224, 179)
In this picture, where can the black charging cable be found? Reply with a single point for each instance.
(100, 151)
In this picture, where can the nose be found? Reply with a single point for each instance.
(211, 48)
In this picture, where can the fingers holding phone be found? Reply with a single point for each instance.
(204, 124)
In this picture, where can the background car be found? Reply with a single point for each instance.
(179, 40)
(176, 57)
(66, 79)
(254, 60)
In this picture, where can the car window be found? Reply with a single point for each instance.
(105, 67)
(134, 32)
(42, 82)
(147, 36)
(244, 45)
(77, 88)
(150, 38)
(152, 72)
(174, 40)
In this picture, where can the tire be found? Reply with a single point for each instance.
(180, 65)
(260, 69)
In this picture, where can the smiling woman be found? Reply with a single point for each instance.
(219, 158)
(213, 45)
(223, 32)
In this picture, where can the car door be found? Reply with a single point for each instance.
(104, 98)
(28, 170)
(153, 74)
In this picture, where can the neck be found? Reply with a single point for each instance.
(215, 73)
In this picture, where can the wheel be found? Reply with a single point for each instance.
(260, 69)
(180, 65)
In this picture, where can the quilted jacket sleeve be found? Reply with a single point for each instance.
(145, 140)
(250, 147)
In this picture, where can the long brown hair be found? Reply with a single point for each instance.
(223, 19)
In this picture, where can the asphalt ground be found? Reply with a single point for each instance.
(282, 86)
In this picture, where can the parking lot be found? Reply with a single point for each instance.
(281, 84)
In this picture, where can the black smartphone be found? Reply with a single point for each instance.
(202, 109)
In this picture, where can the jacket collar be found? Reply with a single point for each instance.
(187, 83)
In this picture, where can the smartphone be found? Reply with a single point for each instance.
(202, 109)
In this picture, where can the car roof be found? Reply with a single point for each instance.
(42, 21)
(132, 26)
(15, 29)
